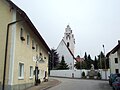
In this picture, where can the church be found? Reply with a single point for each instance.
(66, 48)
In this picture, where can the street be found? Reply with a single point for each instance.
(81, 84)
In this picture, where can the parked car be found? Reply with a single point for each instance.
(112, 78)
(116, 84)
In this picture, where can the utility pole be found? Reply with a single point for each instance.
(100, 61)
(105, 62)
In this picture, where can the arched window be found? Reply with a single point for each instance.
(68, 37)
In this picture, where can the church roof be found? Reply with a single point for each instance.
(69, 50)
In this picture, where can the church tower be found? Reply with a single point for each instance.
(69, 39)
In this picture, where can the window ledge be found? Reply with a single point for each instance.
(21, 78)
(30, 77)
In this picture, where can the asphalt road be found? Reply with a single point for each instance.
(81, 84)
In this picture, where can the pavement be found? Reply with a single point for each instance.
(81, 84)
(45, 85)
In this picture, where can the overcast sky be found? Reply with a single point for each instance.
(94, 22)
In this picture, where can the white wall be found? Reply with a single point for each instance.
(77, 73)
(113, 65)
(71, 40)
(63, 51)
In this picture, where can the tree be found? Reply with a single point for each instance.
(85, 57)
(101, 61)
(107, 63)
(62, 65)
(83, 65)
(96, 63)
(77, 65)
(85, 61)
(54, 59)
(88, 62)
(80, 65)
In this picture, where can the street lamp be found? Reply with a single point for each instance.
(105, 62)
(38, 59)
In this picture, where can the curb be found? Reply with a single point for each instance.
(53, 85)
(78, 78)
(45, 85)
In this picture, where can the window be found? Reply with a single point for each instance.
(68, 37)
(116, 70)
(33, 47)
(21, 32)
(31, 71)
(116, 60)
(21, 70)
(21, 35)
(28, 39)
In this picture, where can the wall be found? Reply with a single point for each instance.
(24, 54)
(113, 65)
(5, 18)
(18, 51)
(63, 51)
(69, 38)
(77, 73)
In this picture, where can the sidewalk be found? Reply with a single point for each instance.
(45, 85)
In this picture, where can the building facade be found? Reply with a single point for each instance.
(66, 48)
(24, 55)
(114, 59)
(69, 39)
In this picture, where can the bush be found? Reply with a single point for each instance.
(98, 75)
(83, 74)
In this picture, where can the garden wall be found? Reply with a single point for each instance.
(77, 73)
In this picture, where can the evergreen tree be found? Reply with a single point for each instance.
(89, 62)
(107, 63)
(85, 57)
(95, 63)
(80, 65)
(101, 61)
(77, 65)
(85, 61)
(62, 65)
(54, 59)
(83, 65)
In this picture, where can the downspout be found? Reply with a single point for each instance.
(6, 49)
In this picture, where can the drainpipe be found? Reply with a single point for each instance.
(6, 49)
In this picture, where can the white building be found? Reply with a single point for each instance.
(66, 48)
(114, 59)
(69, 39)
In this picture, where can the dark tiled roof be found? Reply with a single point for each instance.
(28, 21)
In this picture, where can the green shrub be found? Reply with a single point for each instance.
(98, 75)
(83, 74)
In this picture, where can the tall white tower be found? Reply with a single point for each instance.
(69, 39)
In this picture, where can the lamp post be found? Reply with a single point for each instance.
(100, 61)
(105, 62)
(39, 59)
(36, 71)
